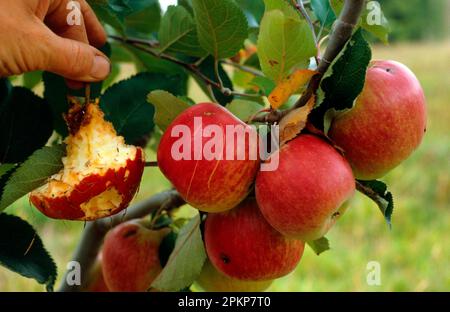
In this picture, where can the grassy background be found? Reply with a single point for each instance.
(414, 256)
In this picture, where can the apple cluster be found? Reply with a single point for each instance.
(258, 221)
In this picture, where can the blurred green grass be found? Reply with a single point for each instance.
(414, 255)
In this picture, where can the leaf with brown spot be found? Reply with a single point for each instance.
(289, 86)
(294, 122)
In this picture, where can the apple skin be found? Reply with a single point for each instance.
(208, 185)
(126, 181)
(131, 257)
(242, 245)
(101, 173)
(213, 281)
(386, 124)
(96, 281)
(303, 198)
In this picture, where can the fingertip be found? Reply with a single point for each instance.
(101, 67)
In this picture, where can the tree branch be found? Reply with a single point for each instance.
(148, 47)
(244, 68)
(301, 8)
(94, 232)
(341, 33)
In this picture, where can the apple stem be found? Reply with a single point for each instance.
(94, 232)
(87, 94)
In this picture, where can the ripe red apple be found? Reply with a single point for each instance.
(303, 197)
(242, 245)
(211, 177)
(101, 173)
(131, 256)
(96, 282)
(212, 280)
(386, 124)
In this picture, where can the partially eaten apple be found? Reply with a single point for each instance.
(101, 173)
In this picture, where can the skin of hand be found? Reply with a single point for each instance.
(36, 35)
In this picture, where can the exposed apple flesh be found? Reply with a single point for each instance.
(303, 197)
(209, 185)
(101, 173)
(386, 124)
(242, 245)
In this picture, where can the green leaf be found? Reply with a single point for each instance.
(284, 43)
(144, 19)
(25, 125)
(323, 11)
(153, 64)
(178, 33)
(5, 91)
(125, 103)
(186, 260)
(319, 245)
(5, 168)
(282, 5)
(119, 7)
(265, 84)
(32, 174)
(167, 106)
(55, 93)
(244, 109)
(207, 68)
(166, 247)
(221, 27)
(253, 10)
(372, 19)
(378, 192)
(32, 79)
(187, 4)
(343, 81)
(22, 251)
(107, 15)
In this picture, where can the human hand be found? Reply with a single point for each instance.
(35, 35)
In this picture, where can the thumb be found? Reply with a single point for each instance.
(76, 60)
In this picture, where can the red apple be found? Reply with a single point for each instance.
(211, 184)
(386, 124)
(303, 197)
(131, 256)
(101, 173)
(242, 245)
(212, 280)
(96, 282)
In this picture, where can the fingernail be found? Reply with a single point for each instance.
(100, 68)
